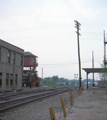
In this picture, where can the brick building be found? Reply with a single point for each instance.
(30, 77)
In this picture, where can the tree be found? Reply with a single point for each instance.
(77, 82)
(72, 82)
(55, 79)
(103, 75)
(44, 81)
(67, 83)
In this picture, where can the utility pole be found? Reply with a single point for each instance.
(104, 50)
(42, 74)
(77, 25)
(93, 67)
(104, 46)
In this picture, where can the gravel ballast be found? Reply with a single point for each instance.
(37, 110)
(90, 105)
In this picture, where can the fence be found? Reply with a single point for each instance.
(51, 109)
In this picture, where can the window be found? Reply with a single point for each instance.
(13, 58)
(8, 56)
(21, 62)
(0, 79)
(0, 54)
(16, 79)
(11, 79)
(7, 78)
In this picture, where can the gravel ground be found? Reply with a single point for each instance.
(38, 110)
(90, 105)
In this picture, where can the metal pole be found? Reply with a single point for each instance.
(77, 26)
(42, 74)
(93, 66)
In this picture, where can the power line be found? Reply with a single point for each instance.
(68, 65)
(84, 60)
(58, 65)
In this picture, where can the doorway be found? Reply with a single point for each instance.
(37, 84)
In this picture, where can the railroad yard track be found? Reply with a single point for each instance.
(12, 100)
(19, 94)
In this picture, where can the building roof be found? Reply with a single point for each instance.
(11, 46)
(29, 54)
(93, 70)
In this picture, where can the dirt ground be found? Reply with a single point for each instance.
(90, 105)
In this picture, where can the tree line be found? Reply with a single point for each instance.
(56, 81)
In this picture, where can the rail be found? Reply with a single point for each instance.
(5, 96)
(4, 105)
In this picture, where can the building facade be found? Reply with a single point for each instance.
(11, 66)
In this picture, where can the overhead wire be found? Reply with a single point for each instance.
(61, 65)
(64, 39)
(84, 60)
(66, 65)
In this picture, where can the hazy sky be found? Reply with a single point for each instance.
(46, 28)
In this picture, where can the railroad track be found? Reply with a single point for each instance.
(19, 94)
(6, 104)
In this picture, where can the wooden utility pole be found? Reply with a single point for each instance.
(77, 25)
(104, 48)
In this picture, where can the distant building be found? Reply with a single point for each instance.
(30, 76)
(11, 66)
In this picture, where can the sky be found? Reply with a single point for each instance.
(46, 28)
